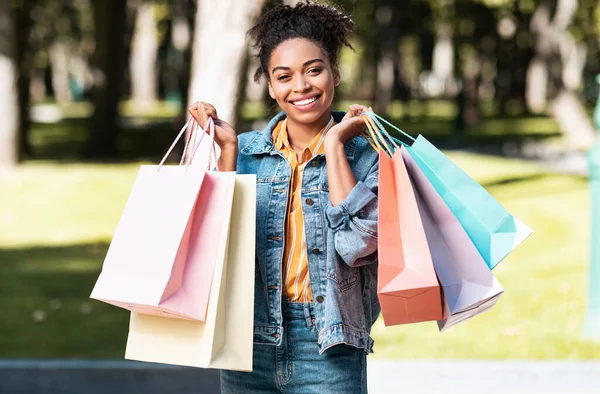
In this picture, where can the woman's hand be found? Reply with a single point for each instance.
(225, 135)
(340, 175)
(352, 125)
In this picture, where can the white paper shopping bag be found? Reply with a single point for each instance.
(224, 341)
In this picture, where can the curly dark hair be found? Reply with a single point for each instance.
(325, 25)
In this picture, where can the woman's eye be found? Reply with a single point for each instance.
(314, 70)
(282, 77)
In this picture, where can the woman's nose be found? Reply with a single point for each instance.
(301, 84)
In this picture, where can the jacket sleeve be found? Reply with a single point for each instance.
(354, 222)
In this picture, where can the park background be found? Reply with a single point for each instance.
(92, 89)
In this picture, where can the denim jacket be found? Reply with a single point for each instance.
(341, 241)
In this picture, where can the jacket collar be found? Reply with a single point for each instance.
(262, 143)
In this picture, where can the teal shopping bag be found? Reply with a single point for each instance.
(493, 230)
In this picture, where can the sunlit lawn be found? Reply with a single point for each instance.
(57, 220)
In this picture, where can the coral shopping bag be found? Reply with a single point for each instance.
(407, 287)
(224, 341)
(470, 288)
(163, 253)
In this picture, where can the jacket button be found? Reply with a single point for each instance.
(316, 251)
(309, 201)
(314, 163)
(320, 299)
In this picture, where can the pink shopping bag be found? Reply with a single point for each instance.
(162, 255)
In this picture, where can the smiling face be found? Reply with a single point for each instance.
(302, 80)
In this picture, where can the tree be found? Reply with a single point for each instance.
(142, 63)
(555, 71)
(219, 51)
(24, 24)
(108, 65)
(386, 55)
(182, 28)
(513, 54)
(9, 92)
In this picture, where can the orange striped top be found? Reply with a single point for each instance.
(295, 261)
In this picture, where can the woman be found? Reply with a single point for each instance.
(316, 224)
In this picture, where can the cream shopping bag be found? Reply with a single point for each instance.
(225, 340)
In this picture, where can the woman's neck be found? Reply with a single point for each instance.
(300, 135)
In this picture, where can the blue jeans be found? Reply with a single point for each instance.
(296, 366)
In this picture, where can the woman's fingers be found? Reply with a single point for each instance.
(358, 109)
(202, 111)
(193, 110)
(211, 111)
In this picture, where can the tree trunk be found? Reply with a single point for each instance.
(183, 29)
(108, 64)
(386, 42)
(537, 85)
(568, 111)
(555, 71)
(142, 63)
(240, 95)
(9, 97)
(25, 60)
(59, 57)
(217, 64)
(443, 53)
(512, 60)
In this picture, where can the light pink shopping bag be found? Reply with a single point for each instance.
(162, 255)
(469, 286)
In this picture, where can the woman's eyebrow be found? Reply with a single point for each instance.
(303, 65)
(312, 61)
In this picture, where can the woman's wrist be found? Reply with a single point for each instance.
(332, 143)
(228, 159)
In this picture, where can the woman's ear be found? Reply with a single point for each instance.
(271, 92)
(336, 75)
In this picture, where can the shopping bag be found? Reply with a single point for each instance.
(162, 255)
(407, 287)
(469, 287)
(493, 230)
(225, 339)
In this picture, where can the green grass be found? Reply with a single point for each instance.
(57, 220)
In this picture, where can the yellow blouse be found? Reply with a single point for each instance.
(295, 261)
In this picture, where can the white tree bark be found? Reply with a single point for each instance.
(443, 54)
(59, 57)
(9, 102)
(569, 113)
(554, 46)
(536, 87)
(219, 48)
(142, 61)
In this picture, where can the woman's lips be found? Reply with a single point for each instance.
(312, 102)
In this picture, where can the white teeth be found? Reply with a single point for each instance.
(305, 102)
